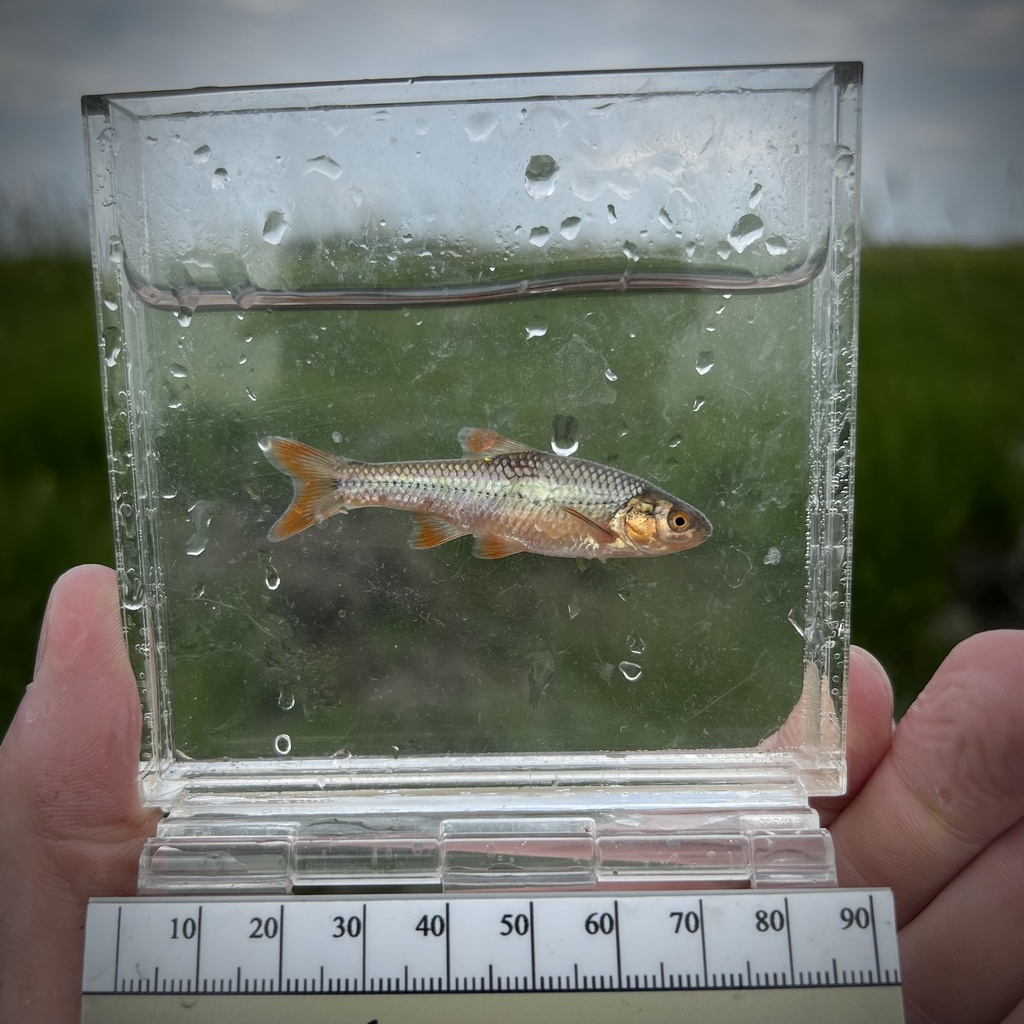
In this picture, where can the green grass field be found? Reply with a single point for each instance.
(939, 549)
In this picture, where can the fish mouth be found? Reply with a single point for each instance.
(699, 530)
(704, 527)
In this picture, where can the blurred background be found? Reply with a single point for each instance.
(939, 543)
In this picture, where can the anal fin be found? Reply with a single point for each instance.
(430, 532)
(492, 546)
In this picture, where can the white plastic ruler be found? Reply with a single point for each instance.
(733, 955)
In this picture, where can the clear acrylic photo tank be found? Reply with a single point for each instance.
(659, 267)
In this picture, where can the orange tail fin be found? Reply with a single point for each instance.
(315, 476)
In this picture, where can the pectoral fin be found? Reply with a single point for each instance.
(429, 532)
(600, 533)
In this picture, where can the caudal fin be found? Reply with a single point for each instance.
(315, 479)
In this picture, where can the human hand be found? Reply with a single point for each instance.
(73, 826)
(935, 811)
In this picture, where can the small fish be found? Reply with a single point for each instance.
(510, 497)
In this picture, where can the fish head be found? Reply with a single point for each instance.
(657, 523)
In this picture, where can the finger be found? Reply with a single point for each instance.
(949, 785)
(72, 751)
(73, 824)
(868, 728)
(962, 954)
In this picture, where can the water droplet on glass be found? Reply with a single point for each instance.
(536, 332)
(273, 578)
(738, 567)
(570, 228)
(635, 644)
(133, 594)
(220, 178)
(665, 218)
(610, 374)
(630, 670)
(629, 250)
(200, 515)
(178, 371)
(541, 672)
(336, 436)
(539, 236)
(698, 403)
(747, 230)
(479, 125)
(274, 227)
(541, 175)
(612, 215)
(111, 304)
(565, 435)
(690, 248)
(286, 700)
(772, 556)
(250, 394)
(574, 605)
(115, 249)
(201, 155)
(125, 513)
(776, 245)
(755, 195)
(705, 361)
(796, 620)
(325, 165)
(111, 358)
(283, 744)
(183, 316)
(842, 162)
(675, 440)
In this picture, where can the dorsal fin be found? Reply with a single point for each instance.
(481, 443)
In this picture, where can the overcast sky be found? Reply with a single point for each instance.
(944, 79)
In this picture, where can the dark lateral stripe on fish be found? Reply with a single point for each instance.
(509, 496)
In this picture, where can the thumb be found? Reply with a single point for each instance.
(71, 755)
(73, 821)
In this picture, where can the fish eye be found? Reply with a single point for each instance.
(678, 520)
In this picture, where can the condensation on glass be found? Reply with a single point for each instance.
(656, 271)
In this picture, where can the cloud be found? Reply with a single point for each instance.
(942, 77)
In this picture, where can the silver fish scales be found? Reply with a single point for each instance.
(508, 496)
